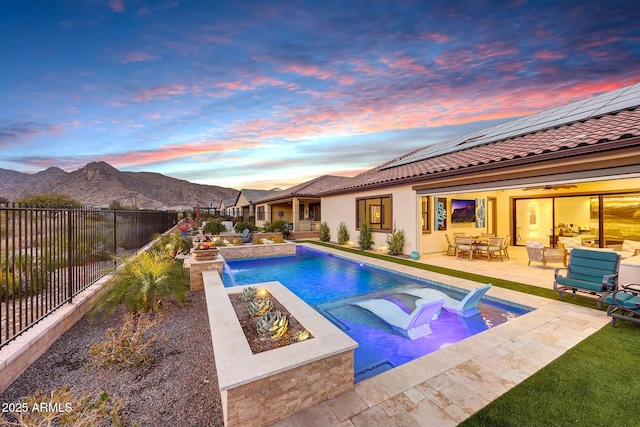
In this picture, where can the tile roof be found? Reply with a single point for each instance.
(590, 132)
(253, 195)
(310, 188)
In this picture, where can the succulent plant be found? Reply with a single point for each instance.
(260, 307)
(273, 325)
(248, 294)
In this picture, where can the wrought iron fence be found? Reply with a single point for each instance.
(49, 255)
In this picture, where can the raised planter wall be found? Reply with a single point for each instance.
(261, 389)
(258, 251)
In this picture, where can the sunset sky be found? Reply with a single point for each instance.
(269, 94)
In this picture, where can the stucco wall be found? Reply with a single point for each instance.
(405, 213)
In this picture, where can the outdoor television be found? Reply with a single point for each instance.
(463, 210)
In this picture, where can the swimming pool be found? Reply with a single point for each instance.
(329, 283)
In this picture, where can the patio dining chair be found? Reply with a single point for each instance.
(451, 247)
(465, 246)
(491, 249)
(505, 247)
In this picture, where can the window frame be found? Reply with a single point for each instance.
(376, 227)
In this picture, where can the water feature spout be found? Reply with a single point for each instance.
(227, 269)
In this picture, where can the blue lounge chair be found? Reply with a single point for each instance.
(624, 304)
(246, 236)
(467, 307)
(412, 326)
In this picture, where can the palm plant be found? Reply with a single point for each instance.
(174, 243)
(144, 283)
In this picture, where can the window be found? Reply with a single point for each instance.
(375, 211)
(424, 214)
(260, 214)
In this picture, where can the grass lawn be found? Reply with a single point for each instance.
(593, 384)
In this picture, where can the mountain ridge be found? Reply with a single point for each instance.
(99, 184)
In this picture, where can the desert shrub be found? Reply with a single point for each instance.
(278, 226)
(128, 345)
(395, 241)
(325, 232)
(257, 240)
(364, 238)
(78, 409)
(343, 234)
(238, 242)
(26, 276)
(144, 282)
(277, 238)
(49, 199)
(214, 227)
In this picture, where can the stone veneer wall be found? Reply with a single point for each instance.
(260, 389)
(258, 251)
(268, 400)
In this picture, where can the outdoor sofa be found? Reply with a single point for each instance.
(591, 273)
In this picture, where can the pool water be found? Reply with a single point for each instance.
(329, 283)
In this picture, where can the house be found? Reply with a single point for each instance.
(228, 206)
(573, 170)
(299, 205)
(246, 201)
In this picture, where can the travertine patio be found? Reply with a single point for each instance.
(446, 387)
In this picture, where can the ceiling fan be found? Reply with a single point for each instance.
(551, 187)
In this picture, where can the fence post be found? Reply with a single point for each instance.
(70, 254)
(115, 239)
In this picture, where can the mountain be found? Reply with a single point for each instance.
(99, 184)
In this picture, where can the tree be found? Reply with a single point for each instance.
(325, 232)
(364, 239)
(54, 200)
(395, 241)
(343, 234)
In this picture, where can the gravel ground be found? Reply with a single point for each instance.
(179, 389)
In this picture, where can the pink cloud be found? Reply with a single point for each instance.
(408, 64)
(545, 54)
(306, 70)
(217, 39)
(161, 91)
(139, 56)
(511, 66)
(117, 5)
(437, 37)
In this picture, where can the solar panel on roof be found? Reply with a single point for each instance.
(609, 102)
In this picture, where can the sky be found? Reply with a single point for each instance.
(268, 94)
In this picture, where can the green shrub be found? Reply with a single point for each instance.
(144, 282)
(214, 227)
(173, 244)
(325, 232)
(278, 226)
(395, 241)
(364, 238)
(343, 234)
(241, 226)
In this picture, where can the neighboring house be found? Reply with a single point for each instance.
(246, 199)
(299, 205)
(572, 170)
(228, 206)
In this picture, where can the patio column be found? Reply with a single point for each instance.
(294, 208)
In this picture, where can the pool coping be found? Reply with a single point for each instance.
(447, 386)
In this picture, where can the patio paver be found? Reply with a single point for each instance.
(446, 387)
